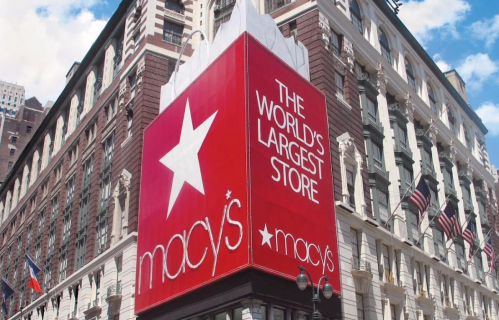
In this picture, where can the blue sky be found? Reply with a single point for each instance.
(464, 35)
(45, 37)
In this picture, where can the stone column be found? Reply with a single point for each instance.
(252, 309)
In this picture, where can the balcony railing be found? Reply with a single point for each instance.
(359, 264)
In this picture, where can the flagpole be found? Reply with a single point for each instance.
(454, 239)
(398, 205)
(432, 124)
(429, 224)
(467, 263)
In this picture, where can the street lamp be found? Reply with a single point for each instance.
(327, 290)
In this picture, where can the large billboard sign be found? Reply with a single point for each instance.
(236, 174)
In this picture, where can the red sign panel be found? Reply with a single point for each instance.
(248, 133)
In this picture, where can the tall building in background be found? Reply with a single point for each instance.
(71, 199)
(11, 98)
(16, 131)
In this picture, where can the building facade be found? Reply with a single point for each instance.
(16, 132)
(11, 98)
(71, 200)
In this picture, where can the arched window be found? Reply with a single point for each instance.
(411, 79)
(355, 16)
(433, 101)
(385, 46)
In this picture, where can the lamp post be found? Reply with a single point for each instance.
(302, 281)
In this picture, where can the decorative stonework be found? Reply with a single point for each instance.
(409, 106)
(326, 30)
(141, 67)
(350, 156)
(349, 53)
(121, 94)
(452, 150)
(381, 79)
(433, 132)
(124, 183)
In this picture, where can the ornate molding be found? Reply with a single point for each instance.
(452, 150)
(121, 94)
(432, 133)
(141, 67)
(381, 79)
(409, 106)
(326, 30)
(124, 183)
(349, 53)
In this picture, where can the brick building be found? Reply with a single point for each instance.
(71, 200)
(16, 132)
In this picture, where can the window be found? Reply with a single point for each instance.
(372, 111)
(173, 32)
(222, 11)
(136, 41)
(383, 206)
(387, 263)
(417, 276)
(452, 121)
(110, 111)
(273, 5)
(73, 155)
(335, 41)
(14, 139)
(10, 164)
(293, 30)
(415, 226)
(393, 316)
(28, 129)
(351, 185)
(132, 79)
(129, 122)
(354, 238)
(359, 301)
(385, 46)
(340, 86)
(433, 100)
(402, 137)
(378, 155)
(12, 152)
(174, 6)
(355, 16)
(467, 138)
(407, 177)
(90, 133)
(411, 80)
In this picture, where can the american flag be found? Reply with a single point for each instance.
(489, 249)
(449, 222)
(421, 197)
(469, 235)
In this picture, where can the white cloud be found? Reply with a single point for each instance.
(424, 17)
(42, 38)
(489, 113)
(476, 69)
(487, 30)
(441, 63)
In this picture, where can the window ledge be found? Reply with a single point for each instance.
(126, 140)
(345, 206)
(344, 103)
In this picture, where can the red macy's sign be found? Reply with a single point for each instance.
(236, 174)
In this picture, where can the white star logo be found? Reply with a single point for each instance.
(266, 236)
(227, 195)
(183, 158)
